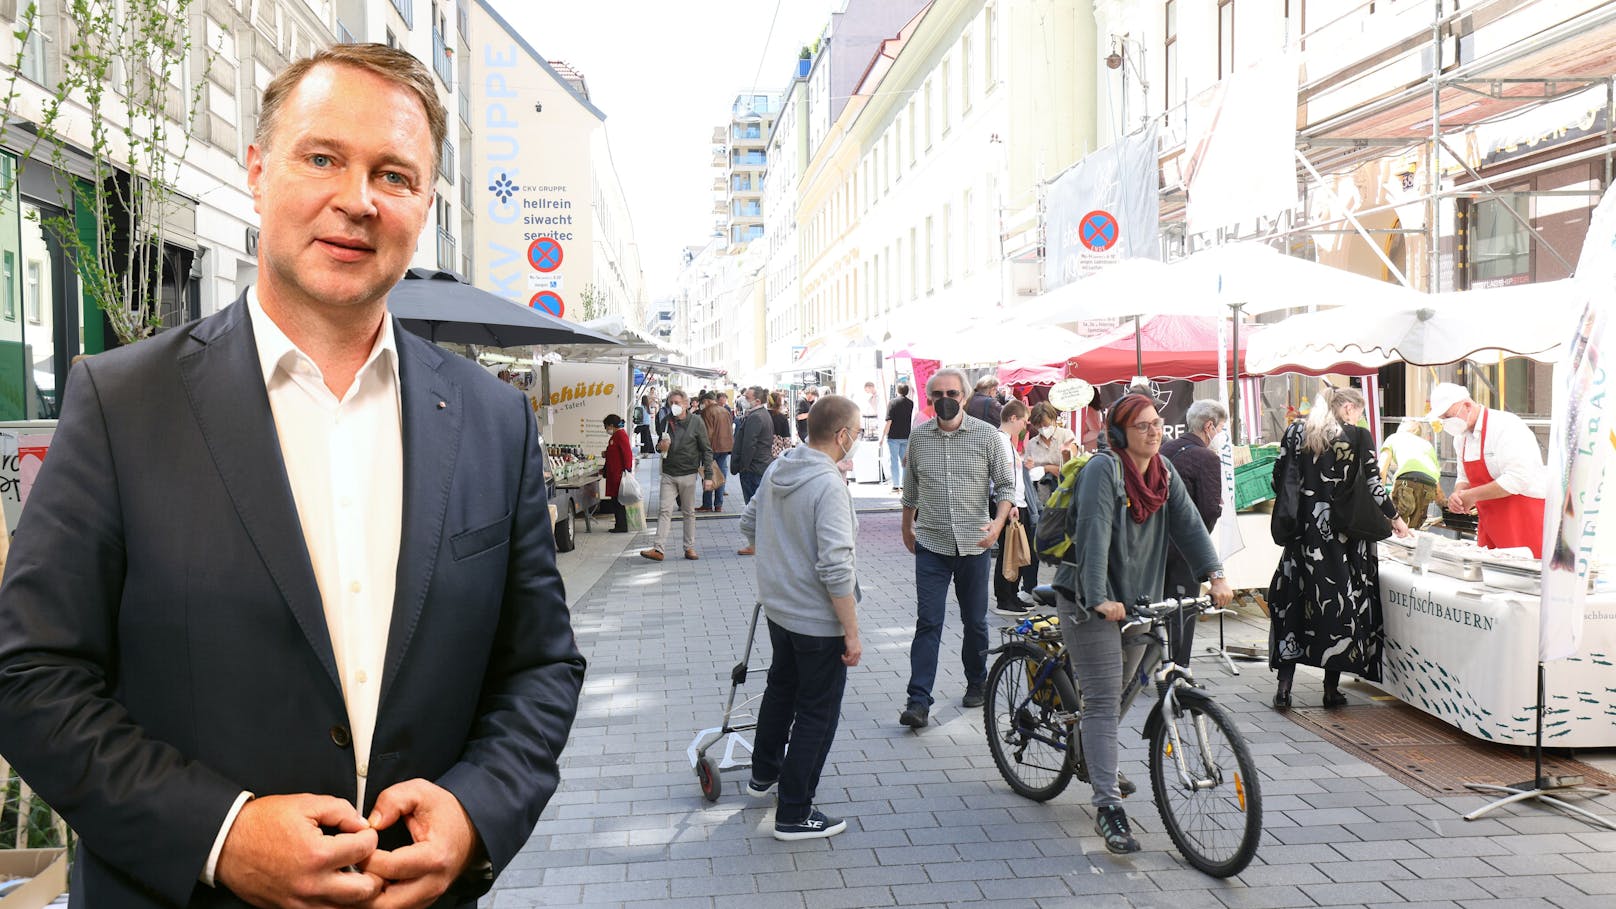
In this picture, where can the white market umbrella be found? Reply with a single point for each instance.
(1528, 320)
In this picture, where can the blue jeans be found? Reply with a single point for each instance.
(802, 702)
(896, 449)
(932, 575)
(749, 485)
(714, 498)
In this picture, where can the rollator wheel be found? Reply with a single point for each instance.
(707, 776)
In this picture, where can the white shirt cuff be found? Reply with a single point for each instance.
(218, 842)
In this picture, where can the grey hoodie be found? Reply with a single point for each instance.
(801, 521)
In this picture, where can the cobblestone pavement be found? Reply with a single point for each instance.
(930, 822)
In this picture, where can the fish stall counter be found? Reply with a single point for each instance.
(1462, 645)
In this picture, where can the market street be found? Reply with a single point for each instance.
(930, 820)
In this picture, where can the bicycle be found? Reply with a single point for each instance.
(1205, 783)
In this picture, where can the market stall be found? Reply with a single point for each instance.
(1462, 645)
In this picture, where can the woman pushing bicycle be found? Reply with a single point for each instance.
(1129, 502)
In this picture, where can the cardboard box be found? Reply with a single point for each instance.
(47, 867)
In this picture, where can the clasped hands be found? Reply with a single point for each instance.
(277, 854)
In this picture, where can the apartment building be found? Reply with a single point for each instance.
(210, 229)
(915, 211)
(740, 154)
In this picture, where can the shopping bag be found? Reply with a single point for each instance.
(1017, 554)
(629, 491)
(636, 515)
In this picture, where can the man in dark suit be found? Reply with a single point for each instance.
(282, 625)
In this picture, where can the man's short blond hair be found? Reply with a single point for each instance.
(396, 66)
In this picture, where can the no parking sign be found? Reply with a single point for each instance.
(548, 301)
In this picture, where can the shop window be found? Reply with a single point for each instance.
(1500, 245)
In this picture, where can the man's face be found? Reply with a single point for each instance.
(1464, 410)
(676, 400)
(342, 191)
(949, 387)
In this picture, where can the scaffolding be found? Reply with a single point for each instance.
(1458, 90)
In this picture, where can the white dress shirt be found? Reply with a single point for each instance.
(1020, 498)
(1512, 454)
(345, 462)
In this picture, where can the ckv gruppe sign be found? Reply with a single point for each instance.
(532, 174)
(1103, 209)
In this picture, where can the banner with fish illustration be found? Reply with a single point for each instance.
(1580, 442)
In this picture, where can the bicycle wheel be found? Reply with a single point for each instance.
(1030, 744)
(1217, 822)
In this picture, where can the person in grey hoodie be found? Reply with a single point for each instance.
(802, 524)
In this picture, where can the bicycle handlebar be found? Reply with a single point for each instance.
(1145, 612)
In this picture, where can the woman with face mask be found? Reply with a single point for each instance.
(1049, 445)
(1324, 600)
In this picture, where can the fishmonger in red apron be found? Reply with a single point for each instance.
(1514, 520)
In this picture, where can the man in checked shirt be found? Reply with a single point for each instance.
(957, 469)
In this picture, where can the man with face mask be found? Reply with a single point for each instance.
(1195, 455)
(955, 463)
(687, 456)
(1501, 476)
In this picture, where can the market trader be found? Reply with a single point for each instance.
(290, 560)
(1411, 463)
(1501, 473)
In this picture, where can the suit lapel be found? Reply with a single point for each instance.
(225, 386)
(432, 418)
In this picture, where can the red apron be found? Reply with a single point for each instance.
(1505, 523)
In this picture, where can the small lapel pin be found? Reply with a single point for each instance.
(443, 405)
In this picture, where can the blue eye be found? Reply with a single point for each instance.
(320, 160)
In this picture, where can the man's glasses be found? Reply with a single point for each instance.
(1145, 429)
(939, 395)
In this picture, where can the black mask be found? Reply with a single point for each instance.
(947, 408)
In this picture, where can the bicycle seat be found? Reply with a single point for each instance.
(1045, 595)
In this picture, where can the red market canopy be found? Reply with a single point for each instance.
(1172, 347)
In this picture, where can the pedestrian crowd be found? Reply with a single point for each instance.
(975, 468)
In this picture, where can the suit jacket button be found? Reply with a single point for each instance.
(340, 736)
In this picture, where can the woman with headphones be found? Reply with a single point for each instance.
(1129, 502)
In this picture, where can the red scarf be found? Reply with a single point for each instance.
(1147, 492)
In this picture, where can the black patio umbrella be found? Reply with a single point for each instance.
(439, 306)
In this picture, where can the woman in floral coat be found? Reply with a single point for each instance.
(1324, 600)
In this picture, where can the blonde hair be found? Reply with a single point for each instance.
(1324, 421)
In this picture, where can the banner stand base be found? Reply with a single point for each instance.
(1541, 787)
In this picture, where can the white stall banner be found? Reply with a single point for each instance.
(22, 453)
(1580, 441)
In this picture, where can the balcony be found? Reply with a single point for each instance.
(749, 159)
(719, 208)
(443, 60)
(718, 184)
(447, 259)
(446, 162)
(720, 160)
(718, 135)
(740, 183)
(752, 132)
(406, 9)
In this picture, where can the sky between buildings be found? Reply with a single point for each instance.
(665, 73)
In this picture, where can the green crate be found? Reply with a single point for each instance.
(1254, 482)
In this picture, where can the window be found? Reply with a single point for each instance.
(988, 75)
(897, 148)
(914, 274)
(32, 64)
(1170, 97)
(965, 230)
(896, 266)
(1500, 246)
(948, 242)
(965, 74)
(931, 278)
(927, 100)
(8, 286)
(31, 292)
(406, 8)
(392, 40)
(914, 148)
(1225, 37)
(943, 97)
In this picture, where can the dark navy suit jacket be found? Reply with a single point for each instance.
(162, 641)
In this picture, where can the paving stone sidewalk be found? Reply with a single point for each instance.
(930, 821)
